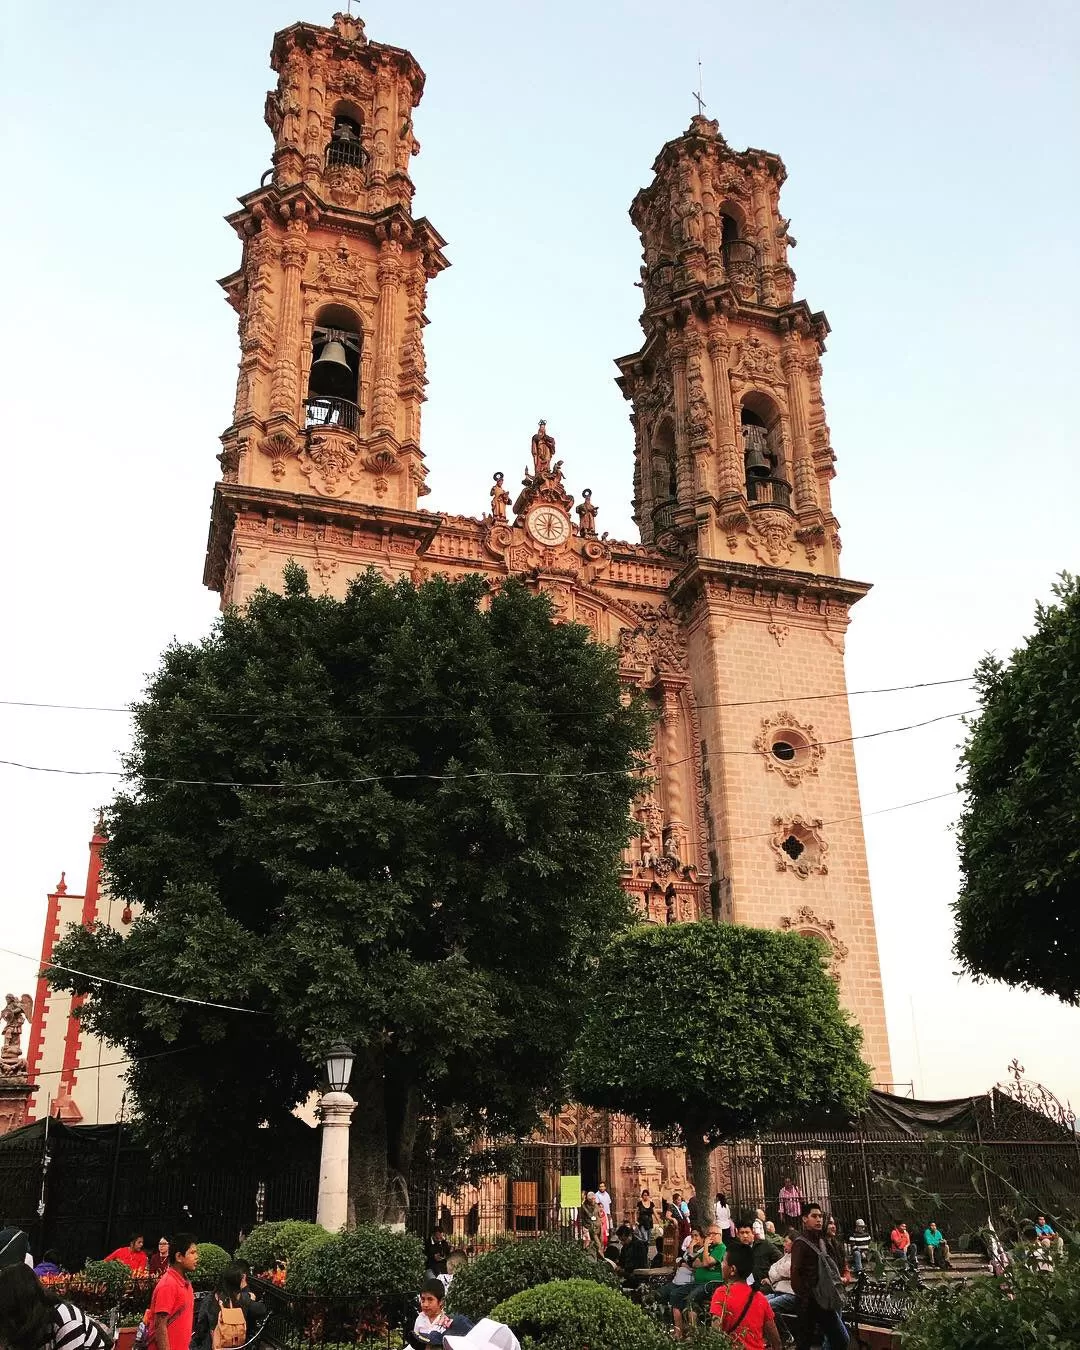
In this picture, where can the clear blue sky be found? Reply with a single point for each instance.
(932, 153)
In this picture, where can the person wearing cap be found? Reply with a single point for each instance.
(15, 1248)
(859, 1243)
(486, 1335)
(433, 1322)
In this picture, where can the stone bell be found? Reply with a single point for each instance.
(331, 373)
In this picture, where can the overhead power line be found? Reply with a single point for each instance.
(553, 775)
(412, 717)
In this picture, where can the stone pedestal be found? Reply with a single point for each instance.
(333, 1209)
(15, 1098)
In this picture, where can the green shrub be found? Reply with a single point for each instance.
(1023, 1307)
(113, 1277)
(300, 1270)
(379, 1267)
(515, 1265)
(214, 1261)
(275, 1241)
(572, 1314)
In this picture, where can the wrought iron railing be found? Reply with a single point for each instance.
(350, 154)
(769, 492)
(663, 518)
(325, 411)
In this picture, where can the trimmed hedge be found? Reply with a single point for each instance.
(522, 1264)
(113, 1277)
(214, 1261)
(378, 1267)
(269, 1243)
(572, 1314)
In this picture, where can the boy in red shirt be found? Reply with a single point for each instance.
(172, 1308)
(742, 1312)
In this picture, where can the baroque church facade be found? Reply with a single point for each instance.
(730, 613)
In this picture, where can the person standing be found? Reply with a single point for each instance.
(834, 1245)
(31, 1320)
(791, 1204)
(589, 1223)
(722, 1213)
(437, 1251)
(646, 1212)
(816, 1284)
(172, 1307)
(132, 1255)
(603, 1199)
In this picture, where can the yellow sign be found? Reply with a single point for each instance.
(569, 1192)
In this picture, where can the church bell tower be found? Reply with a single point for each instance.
(331, 297)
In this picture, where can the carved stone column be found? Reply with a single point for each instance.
(384, 398)
(803, 467)
(380, 149)
(731, 476)
(284, 393)
(675, 809)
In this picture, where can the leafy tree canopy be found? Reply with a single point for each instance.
(736, 1031)
(429, 871)
(1018, 911)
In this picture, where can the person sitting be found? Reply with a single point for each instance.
(32, 1320)
(744, 1314)
(49, 1264)
(1046, 1234)
(159, 1260)
(900, 1244)
(780, 1294)
(762, 1251)
(633, 1252)
(433, 1322)
(132, 1255)
(708, 1268)
(220, 1319)
(678, 1292)
(859, 1245)
(937, 1249)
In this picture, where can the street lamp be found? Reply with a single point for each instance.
(336, 1109)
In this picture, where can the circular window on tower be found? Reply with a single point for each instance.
(789, 747)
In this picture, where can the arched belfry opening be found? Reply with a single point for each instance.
(767, 479)
(333, 393)
(665, 477)
(740, 254)
(346, 147)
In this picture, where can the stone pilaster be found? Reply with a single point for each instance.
(384, 399)
(284, 393)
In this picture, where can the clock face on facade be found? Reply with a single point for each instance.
(548, 526)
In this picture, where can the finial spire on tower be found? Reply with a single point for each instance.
(701, 104)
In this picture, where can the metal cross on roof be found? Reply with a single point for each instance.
(701, 104)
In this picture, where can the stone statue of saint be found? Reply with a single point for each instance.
(587, 513)
(500, 500)
(543, 451)
(14, 1015)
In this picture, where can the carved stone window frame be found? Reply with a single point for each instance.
(811, 861)
(807, 922)
(809, 752)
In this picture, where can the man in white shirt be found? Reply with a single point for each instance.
(603, 1198)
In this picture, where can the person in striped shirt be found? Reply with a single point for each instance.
(30, 1319)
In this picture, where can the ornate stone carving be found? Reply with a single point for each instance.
(804, 920)
(789, 747)
(326, 461)
(757, 362)
(382, 463)
(14, 1015)
(278, 448)
(771, 535)
(655, 645)
(342, 271)
(778, 631)
(799, 846)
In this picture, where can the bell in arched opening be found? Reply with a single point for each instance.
(331, 373)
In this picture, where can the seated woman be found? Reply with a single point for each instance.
(432, 1323)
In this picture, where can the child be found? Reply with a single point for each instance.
(433, 1323)
(743, 1313)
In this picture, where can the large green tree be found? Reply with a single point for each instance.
(1018, 910)
(718, 1032)
(394, 819)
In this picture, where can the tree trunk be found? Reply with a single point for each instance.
(402, 1120)
(368, 1171)
(700, 1154)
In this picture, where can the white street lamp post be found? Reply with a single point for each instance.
(336, 1108)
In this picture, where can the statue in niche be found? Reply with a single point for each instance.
(587, 514)
(500, 500)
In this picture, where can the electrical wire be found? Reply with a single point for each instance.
(138, 989)
(438, 777)
(412, 717)
(112, 1063)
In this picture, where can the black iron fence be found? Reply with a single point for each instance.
(956, 1181)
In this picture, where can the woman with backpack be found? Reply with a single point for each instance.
(31, 1319)
(221, 1322)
